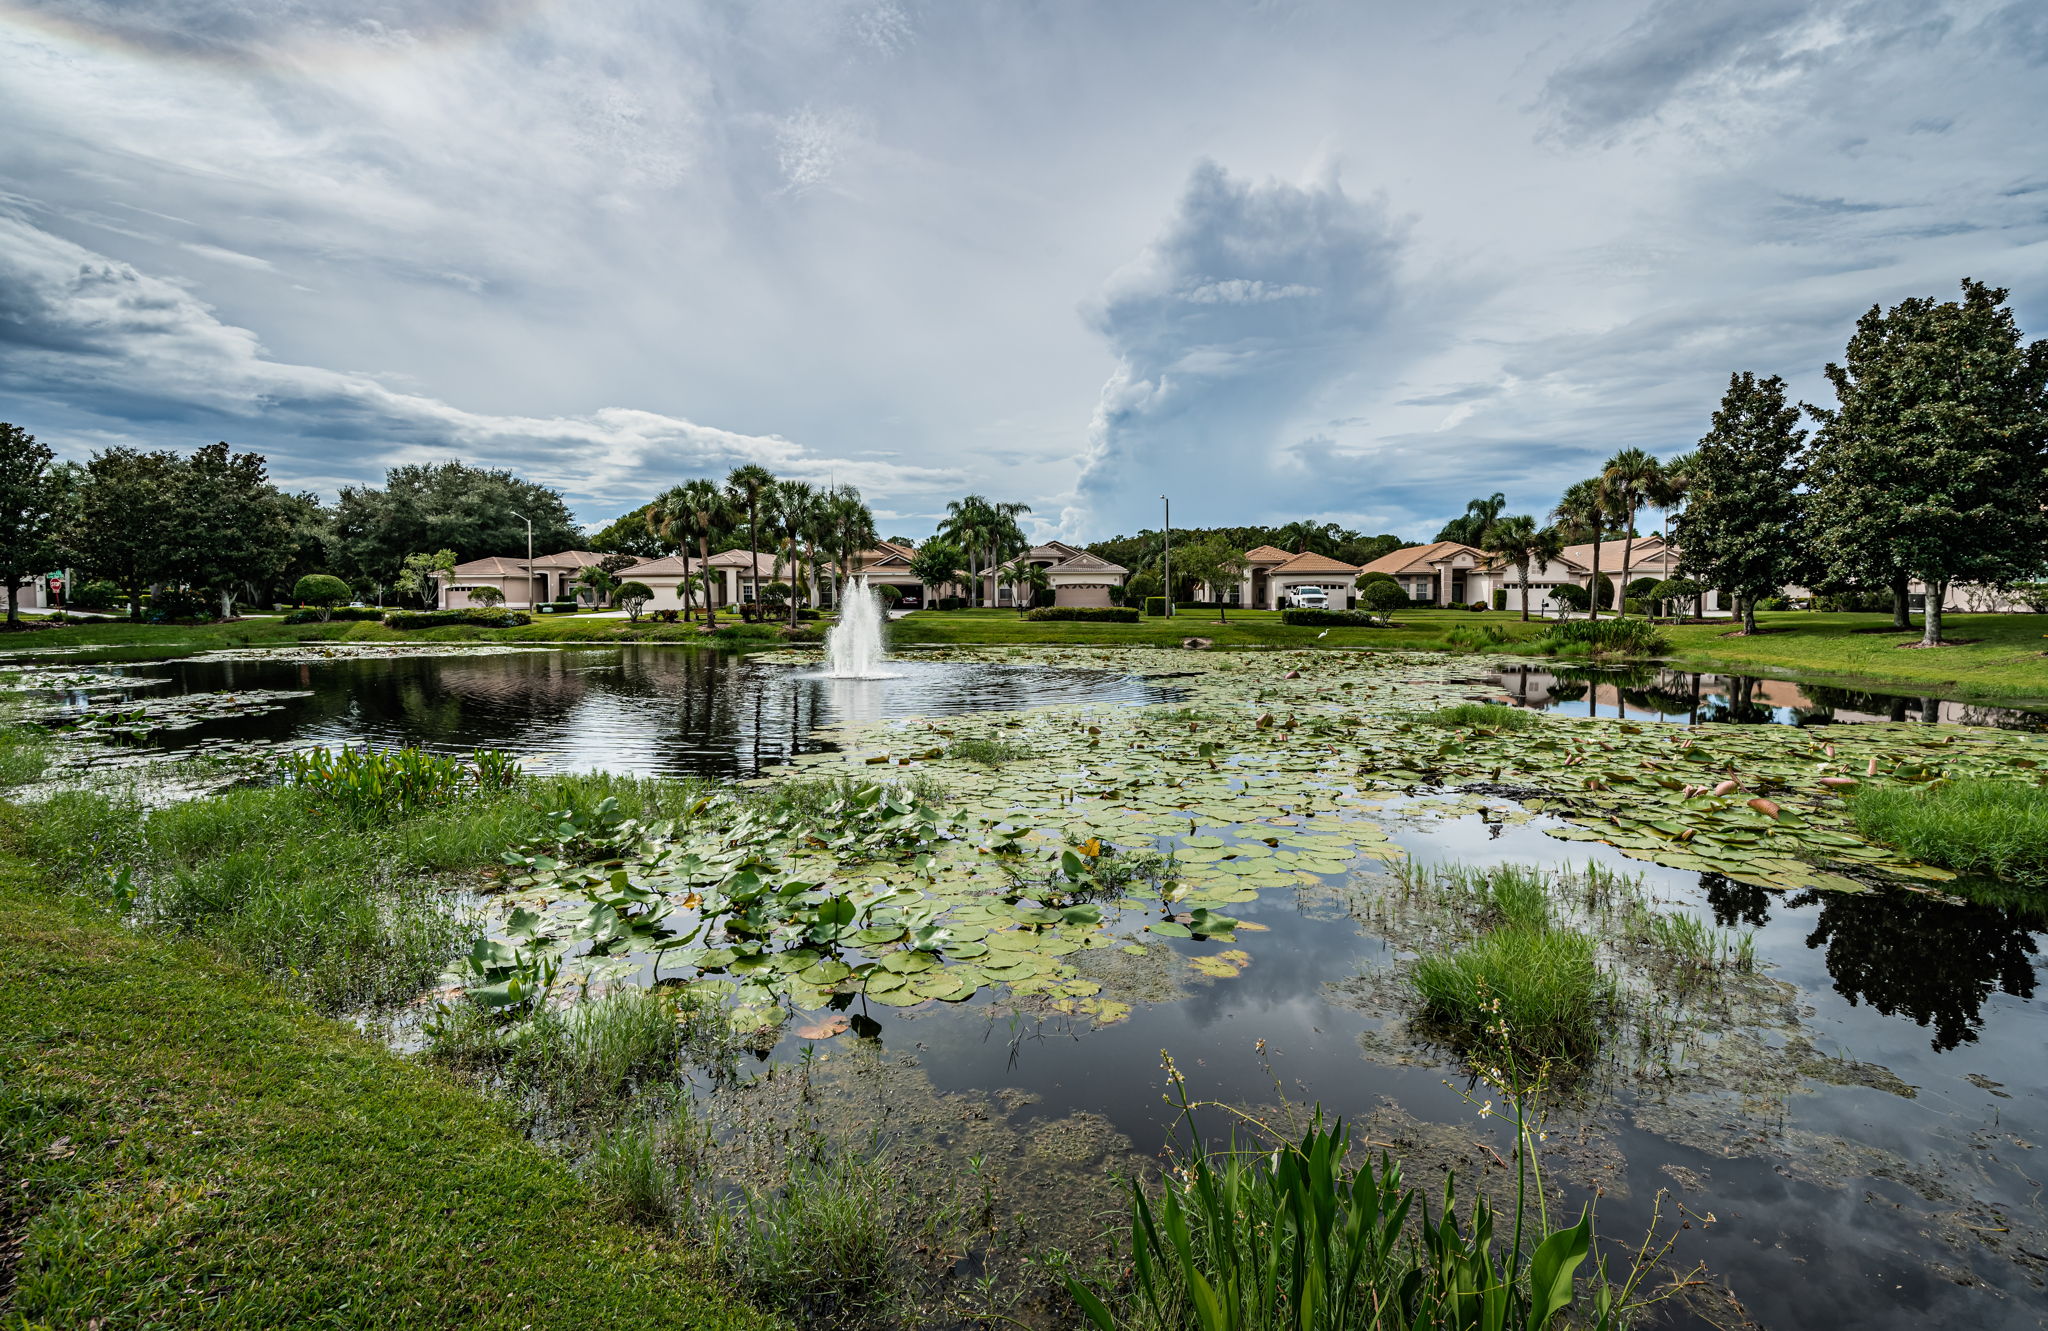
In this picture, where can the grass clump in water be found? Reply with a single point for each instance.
(1483, 716)
(988, 752)
(819, 1247)
(1538, 992)
(1979, 826)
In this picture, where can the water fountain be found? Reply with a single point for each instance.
(853, 649)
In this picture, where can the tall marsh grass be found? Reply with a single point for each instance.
(1979, 826)
(1603, 637)
(1538, 992)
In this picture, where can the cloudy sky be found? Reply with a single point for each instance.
(1348, 261)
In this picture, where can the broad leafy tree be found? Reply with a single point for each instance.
(938, 564)
(1934, 461)
(447, 505)
(1741, 528)
(230, 533)
(121, 524)
(629, 534)
(323, 591)
(30, 498)
(416, 575)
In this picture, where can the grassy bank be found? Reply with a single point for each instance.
(1412, 630)
(2005, 657)
(185, 1145)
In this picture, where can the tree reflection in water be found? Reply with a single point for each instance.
(1914, 956)
(1736, 905)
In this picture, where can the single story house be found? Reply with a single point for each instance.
(1446, 573)
(1077, 578)
(546, 578)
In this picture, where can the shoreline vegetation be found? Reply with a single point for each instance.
(1997, 659)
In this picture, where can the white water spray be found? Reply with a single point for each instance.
(853, 649)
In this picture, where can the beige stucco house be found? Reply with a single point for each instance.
(1077, 578)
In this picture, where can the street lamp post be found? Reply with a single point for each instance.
(1169, 554)
(531, 604)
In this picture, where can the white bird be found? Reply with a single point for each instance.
(1324, 634)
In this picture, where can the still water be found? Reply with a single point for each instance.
(654, 711)
(1690, 697)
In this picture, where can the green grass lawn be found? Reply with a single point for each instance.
(2008, 660)
(181, 1145)
(1414, 629)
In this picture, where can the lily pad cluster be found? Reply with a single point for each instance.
(1143, 826)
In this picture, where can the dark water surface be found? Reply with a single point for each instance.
(1690, 697)
(656, 711)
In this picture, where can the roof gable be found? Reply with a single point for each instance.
(1313, 563)
(1266, 554)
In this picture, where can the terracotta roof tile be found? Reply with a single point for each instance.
(1313, 563)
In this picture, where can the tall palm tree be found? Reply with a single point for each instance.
(744, 487)
(1522, 543)
(1671, 490)
(706, 510)
(669, 519)
(1582, 511)
(970, 524)
(852, 529)
(1631, 476)
(796, 506)
(1480, 515)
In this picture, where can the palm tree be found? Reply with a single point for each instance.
(706, 510)
(1675, 482)
(969, 524)
(851, 527)
(796, 505)
(1480, 515)
(1582, 509)
(744, 486)
(600, 582)
(669, 519)
(1630, 476)
(1021, 573)
(1522, 543)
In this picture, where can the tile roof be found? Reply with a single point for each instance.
(1313, 563)
(1267, 554)
(570, 559)
(1649, 552)
(491, 566)
(668, 566)
(1423, 558)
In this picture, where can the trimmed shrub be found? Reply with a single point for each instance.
(1383, 596)
(1094, 614)
(1500, 598)
(1476, 605)
(1571, 596)
(1634, 606)
(99, 594)
(176, 603)
(436, 619)
(952, 602)
(890, 594)
(1155, 606)
(1317, 619)
(1773, 603)
(558, 607)
(321, 589)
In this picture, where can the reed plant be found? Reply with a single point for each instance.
(1298, 1237)
(1998, 829)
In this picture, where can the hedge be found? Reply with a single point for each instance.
(559, 607)
(1094, 614)
(1317, 619)
(952, 603)
(1155, 606)
(311, 615)
(435, 619)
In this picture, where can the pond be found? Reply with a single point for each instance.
(649, 710)
(1692, 697)
(1861, 1115)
